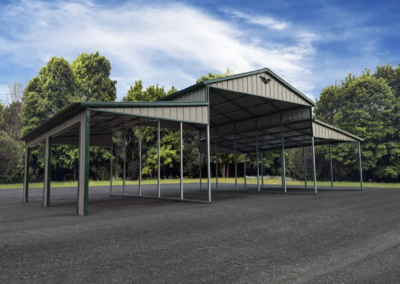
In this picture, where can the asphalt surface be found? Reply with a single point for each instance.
(332, 237)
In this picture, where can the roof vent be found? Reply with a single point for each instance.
(265, 80)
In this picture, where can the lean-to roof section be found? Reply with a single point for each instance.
(329, 132)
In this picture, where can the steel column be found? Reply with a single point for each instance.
(47, 173)
(83, 183)
(360, 165)
(159, 159)
(111, 175)
(181, 161)
(258, 163)
(262, 170)
(283, 162)
(208, 163)
(200, 161)
(140, 161)
(123, 186)
(330, 162)
(314, 165)
(236, 183)
(305, 168)
(244, 165)
(216, 163)
(26, 176)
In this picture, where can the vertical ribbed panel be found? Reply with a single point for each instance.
(327, 133)
(253, 85)
(197, 95)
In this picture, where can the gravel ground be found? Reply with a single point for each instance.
(333, 237)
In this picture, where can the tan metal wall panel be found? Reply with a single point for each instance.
(321, 131)
(56, 129)
(253, 85)
(197, 95)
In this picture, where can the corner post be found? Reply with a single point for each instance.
(305, 168)
(216, 162)
(330, 162)
(158, 160)
(258, 162)
(140, 161)
(314, 165)
(244, 170)
(234, 139)
(208, 163)
(283, 161)
(181, 154)
(262, 170)
(360, 165)
(111, 170)
(83, 184)
(200, 160)
(47, 173)
(124, 175)
(26, 176)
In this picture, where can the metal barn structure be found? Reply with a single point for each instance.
(250, 112)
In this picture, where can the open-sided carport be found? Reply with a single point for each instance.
(250, 112)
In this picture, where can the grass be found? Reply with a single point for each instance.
(270, 181)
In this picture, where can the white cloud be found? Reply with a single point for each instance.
(169, 44)
(265, 21)
(3, 93)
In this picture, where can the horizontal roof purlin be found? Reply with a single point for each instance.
(76, 107)
(260, 71)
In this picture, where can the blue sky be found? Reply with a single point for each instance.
(309, 43)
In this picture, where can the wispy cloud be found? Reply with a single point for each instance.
(265, 21)
(169, 44)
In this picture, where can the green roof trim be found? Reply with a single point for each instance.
(77, 107)
(337, 129)
(241, 75)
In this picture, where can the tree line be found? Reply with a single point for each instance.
(367, 106)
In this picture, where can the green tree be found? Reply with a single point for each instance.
(11, 156)
(366, 106)
(92, 73)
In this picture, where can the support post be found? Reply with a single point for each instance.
(123, 186)
(236, 187)
(283, 162)
(26, 176)
(111, 174)
(360, 165)
(83, 183)
(244, 165)
(47, 173)
(258, 163)
(305, 168)
(181, 161)
(216, 163)
(330, 162)
(140, 161)
(200, 160)
(262, 170)
(159, 159)
(208, 163)
(314, 166)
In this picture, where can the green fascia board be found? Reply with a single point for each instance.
(181, 92)
(337, 129)
(76, 107)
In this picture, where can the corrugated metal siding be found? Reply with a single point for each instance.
(195, 114)
(198, 95)
(58, 128)
(327, 133)
(253, 85)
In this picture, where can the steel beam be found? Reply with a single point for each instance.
(244, 166)
(216, 163)
(258, 163)
(47, 173)
(262, 170)
(305, 168)
(236, 184)
(123, 185)
(111, 174)
(83, 183)
(140, 161)
(283, 162)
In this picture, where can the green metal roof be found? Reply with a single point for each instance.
(264, 70)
